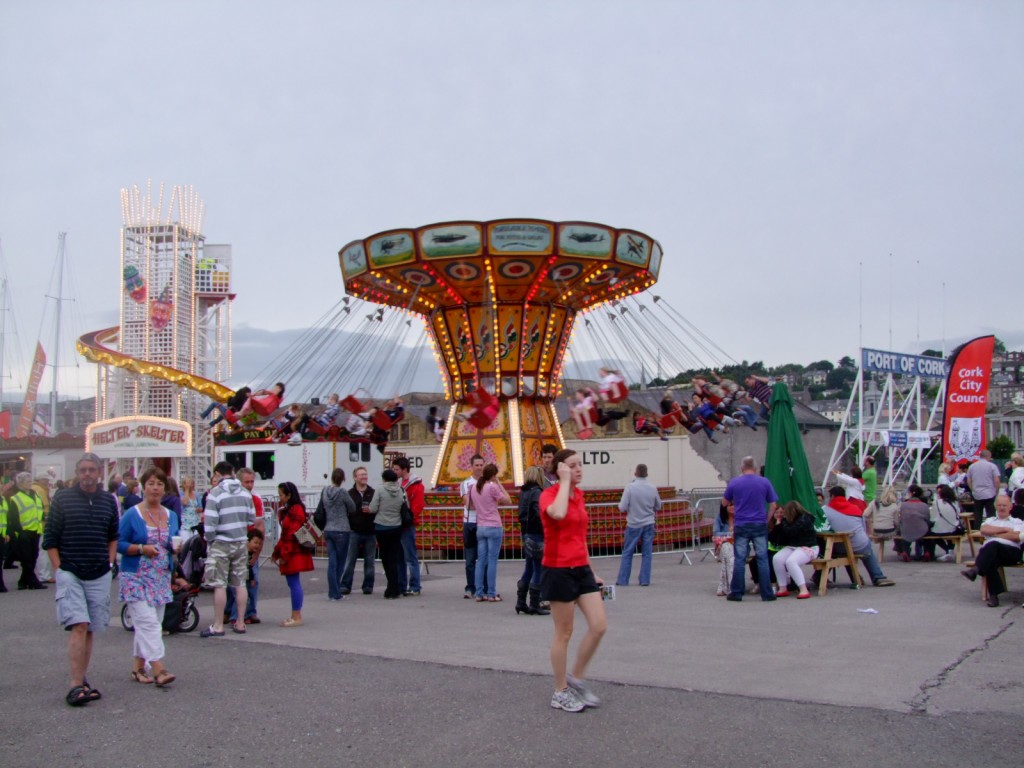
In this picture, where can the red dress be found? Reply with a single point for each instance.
(290, 556)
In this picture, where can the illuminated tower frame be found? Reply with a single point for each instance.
(188, 284)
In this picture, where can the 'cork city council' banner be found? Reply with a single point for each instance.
(130, 436)
(963, 420)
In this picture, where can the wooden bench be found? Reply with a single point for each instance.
(957, 540)
(829, 561)
(984, 581)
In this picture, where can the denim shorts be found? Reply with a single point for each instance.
(565, 585)
(227, 564)
(83, 602)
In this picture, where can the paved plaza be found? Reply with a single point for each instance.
(934, 677)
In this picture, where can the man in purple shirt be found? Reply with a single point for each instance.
(753, 501)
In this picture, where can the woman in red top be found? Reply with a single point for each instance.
(288, 555)
(568, 581)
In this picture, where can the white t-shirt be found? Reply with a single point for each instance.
(1011, 523)
(468, 513)
(1016, 480)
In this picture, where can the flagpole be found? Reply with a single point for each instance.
(56, 332)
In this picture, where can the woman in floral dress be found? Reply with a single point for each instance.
(190, 511)
(147, 563)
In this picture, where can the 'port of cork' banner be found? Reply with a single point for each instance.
(139, 436)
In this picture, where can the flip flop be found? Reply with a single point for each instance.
(211, 632)
(237, 631)
(290, 623)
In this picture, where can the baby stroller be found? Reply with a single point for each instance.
(181, 614)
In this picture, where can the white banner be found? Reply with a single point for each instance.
(132, 436)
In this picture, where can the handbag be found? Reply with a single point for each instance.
(406, 512)
(320, 515)
(308, 535)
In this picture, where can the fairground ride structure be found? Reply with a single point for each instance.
(173, 344)
(500, 300)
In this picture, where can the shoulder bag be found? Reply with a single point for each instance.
(308, 535)
(406, 512)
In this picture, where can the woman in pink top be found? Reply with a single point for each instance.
(485, 496)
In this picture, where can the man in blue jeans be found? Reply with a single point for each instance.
(409, 566)
(753, 501)
(639, 501)
(469, 547)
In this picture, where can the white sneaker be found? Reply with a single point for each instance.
(583, 692)
(566, 700)
(295, 439)
(946, 557)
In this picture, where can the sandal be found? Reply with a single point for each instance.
(92, 694)
(78, 696)
(238, 631)
(290, 623)
(140, 676)
(495, 599)
(164, 679)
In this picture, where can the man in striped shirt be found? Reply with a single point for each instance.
(81, 540)
(228, 514)
(759, 389)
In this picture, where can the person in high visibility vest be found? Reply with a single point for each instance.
(4, 538)
(29, 507)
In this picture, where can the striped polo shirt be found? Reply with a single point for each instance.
(229, 512)
(80, 527)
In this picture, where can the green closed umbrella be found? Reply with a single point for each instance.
(786, 462)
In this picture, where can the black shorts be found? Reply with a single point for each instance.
(565, 585)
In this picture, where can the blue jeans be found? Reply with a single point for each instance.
(744, 535)
(488, 541)
(409, 566)
(645, 536)
(337, 554)
(533, 554)
(368, 543)
(250, 606)
(748, 414)
(469, 551)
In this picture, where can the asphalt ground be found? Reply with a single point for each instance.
(934, 677)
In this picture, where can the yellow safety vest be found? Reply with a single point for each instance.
(30, 510)
(3, 518)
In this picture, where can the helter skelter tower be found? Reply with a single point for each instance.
(500, 299)
(175, 313)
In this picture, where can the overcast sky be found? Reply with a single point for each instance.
(770, 147)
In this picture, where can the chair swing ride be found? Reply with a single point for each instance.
(497, 303)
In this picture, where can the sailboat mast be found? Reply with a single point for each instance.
(3, 334)
(56, 332)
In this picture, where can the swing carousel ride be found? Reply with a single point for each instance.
(500, 300)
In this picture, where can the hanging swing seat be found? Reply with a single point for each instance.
(352, 404)
(617, 392)
(669, 421)
(483, 417)
(383, 420)
(484, 408)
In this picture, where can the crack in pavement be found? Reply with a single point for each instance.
(919, 704)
